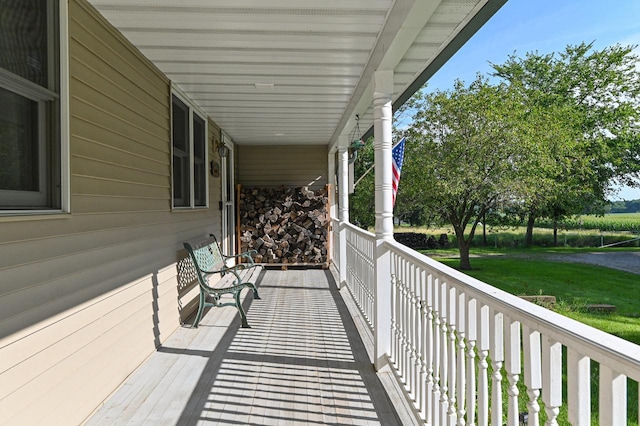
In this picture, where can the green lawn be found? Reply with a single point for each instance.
(573, 284)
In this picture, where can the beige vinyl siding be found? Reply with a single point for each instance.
(269, 166)
(86, 297)
(117, 96)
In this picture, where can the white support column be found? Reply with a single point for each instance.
(382, 126)
(331, 173)
(343, 206)
(333, 210)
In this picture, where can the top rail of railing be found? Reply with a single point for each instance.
(619, 354)
(357, 230)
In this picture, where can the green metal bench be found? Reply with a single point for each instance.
(209, 260)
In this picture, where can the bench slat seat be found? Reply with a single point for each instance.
(209, 260)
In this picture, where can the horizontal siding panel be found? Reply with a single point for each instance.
(98, 39)
(99, 366)
(139, 146)
(137, 297)
(59, 257)
(35, 297)
(44, 300)
(103, 169)
(26, 358)
(282, 165)
(38, 247)
(89, 148)
(91, 73)
(293, 170)
(102, 117)
(22, 349)
(78, 224)
(189, 303)
(122, 109)
(96, 204)
(265, 183)
(89, 185)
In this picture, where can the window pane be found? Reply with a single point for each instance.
(181, 154)
(199, 166)
(19, 145)
(23, 39)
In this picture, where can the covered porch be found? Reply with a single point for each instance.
(306, 360)
(460, 351)
(404, 340)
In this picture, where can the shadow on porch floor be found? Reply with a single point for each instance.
(302, 362)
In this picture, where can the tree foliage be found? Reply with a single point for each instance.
(590, 125)
(464, 155)
(549, 137)
(362, 209)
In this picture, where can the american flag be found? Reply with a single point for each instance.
(397, 154)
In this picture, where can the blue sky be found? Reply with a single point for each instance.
(545, 26)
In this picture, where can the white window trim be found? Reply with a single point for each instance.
(193, 109)
(40, 94)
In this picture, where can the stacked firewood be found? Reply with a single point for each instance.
(285, 225)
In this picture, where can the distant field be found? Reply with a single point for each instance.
(609, 222)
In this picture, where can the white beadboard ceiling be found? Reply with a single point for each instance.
(295, 71)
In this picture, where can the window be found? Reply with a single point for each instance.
(30, 113)
(189, 133)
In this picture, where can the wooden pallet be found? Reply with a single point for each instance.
(300, 265)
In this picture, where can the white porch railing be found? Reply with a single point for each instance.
(455, 338)
(360, 269)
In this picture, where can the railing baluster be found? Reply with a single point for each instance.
(400, 316)
(551, 379)
(613, 397)
(428, 352)
(415, 334)
(497, 358)
(410, 268)
(451, 315)
(483, 352)
(512, 367)
(405, 324)
(472, 322)
(394, 312)
(419, 336)
(444, 353)
(578, 388)
(461, 358)
(532, 372)
(436, 352)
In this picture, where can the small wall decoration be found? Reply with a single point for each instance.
(214, 168)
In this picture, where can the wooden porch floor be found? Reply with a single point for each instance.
(302, 362)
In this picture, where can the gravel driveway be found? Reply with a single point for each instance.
(624, 261)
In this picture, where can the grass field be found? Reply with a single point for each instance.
(513, 237)
(609, 222)
(574, 285)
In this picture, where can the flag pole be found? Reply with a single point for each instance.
(368, 170)
(363, 175)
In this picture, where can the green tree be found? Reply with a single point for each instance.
(362, 209)
(592, 130)
(468, 150)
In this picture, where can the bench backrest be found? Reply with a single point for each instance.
(206, 256)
